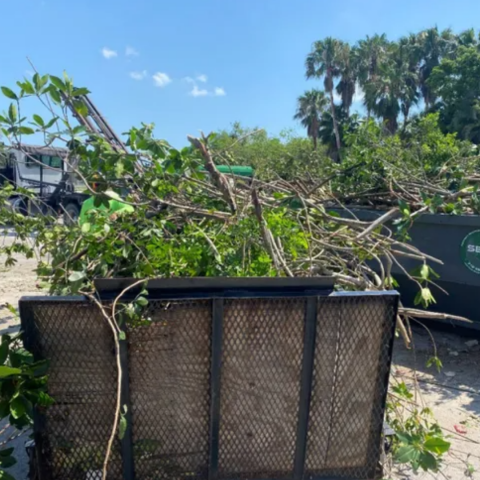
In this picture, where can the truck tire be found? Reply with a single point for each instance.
(71, 213)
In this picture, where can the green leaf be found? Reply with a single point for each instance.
(4, 348)
(80, 108)
(9, 93)
(428, 461)
(26, 130)
(80, 91)
(404, 207)
(122, 335)
(7, 371)
(424, 271)
(76, 276)
(27, 87)
(402, 390)
(50, 123)
(142, 301)
(122, 427)
(436, 445)
(407, 454)
(38, 120)
(424, 297)
(435, 361)
(12, 113)
(18, 407)
(58, 83)
(119, 167)
(404, 437)
(40, 82)
(86, 227)
(106, 227)
(55, 95)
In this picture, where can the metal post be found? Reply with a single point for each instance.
(30, 338)
(381, 383)
(305, 387)
(216, 367)
(127, 440)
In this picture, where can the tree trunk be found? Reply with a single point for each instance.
(335, 125)
(315, 133)
(392, 125)
(405, 118)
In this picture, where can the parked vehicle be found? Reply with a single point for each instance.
(42, 170)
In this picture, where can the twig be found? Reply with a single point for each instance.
(379, 221)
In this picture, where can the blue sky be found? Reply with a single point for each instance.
(198, 65)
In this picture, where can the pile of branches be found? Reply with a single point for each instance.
(192, 220)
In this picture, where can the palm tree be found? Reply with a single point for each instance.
(405, 57)
(393, 91)
(348, 66)
(310, 106)
(326, 132)
(467, 38)
(435, 46)
(323, 61)
(372, 53)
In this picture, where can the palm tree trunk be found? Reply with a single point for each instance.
(335, 125)
(405, 118)
(315, 132)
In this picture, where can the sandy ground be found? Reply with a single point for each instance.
(453, 394)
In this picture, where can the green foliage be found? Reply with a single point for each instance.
(437, 66)
(22, 386)
(183, 225)
(456, 82)
(286, 156)
(419, 441)
(422, 153)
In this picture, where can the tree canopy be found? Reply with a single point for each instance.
(429, 71)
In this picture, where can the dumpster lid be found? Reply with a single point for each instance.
(216, 286)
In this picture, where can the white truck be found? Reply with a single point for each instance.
(42, 170)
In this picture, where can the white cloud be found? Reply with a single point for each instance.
(161, 79)
(219, 92)
(189, 79)
(359, 95)
(197, 92)
(139, 75)
(202, 78)
(107, 53)
(131, 52)
(30, 73)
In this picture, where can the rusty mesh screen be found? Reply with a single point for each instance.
(73, 433)
(218, 388)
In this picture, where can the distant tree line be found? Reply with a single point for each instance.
(431, 71)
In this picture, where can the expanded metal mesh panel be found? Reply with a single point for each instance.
(169, 390)
(78, 344)
(261, 365)
(353, 353)
(219, 388)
